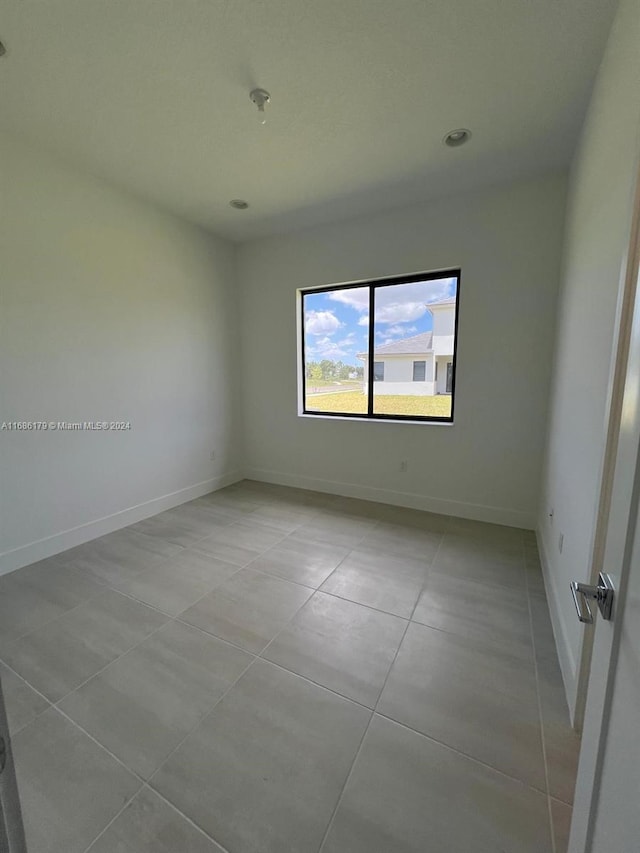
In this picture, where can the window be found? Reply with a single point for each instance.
(419, 371)
(383, 349)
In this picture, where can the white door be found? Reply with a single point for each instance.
(606, 812)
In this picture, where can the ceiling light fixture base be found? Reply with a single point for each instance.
(260, 97)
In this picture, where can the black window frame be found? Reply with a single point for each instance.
(372, 284)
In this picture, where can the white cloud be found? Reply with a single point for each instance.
(356, 297)
(400, 312)
(443, 288)
(402, 303)
(402, 331)
(321, 323)
(334, 350)
(335, 353)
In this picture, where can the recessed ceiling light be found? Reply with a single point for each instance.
(239, 203)
(457, 137)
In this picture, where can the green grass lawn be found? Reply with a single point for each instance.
(355, 403)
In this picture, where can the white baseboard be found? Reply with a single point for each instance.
(477, 512)
(58, 542)
(568, 664)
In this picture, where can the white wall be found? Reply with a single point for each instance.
(400, 369)
(487, 465)
(597, 233)
(396, 369)
(444, 322)
(443, 345)
(110, 310)
(398, 377)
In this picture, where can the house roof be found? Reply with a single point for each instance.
(449, 300)
(415, 345)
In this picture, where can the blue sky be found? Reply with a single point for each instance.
(337, 323)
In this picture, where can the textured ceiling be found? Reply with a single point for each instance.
(153, 95)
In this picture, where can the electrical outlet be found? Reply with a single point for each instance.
(403, 466)
(560, 542)
(212, 455)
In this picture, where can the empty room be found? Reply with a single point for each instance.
(319, 426)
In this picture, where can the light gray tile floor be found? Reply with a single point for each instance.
(271, 670)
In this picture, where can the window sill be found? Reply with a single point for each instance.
(366, 420)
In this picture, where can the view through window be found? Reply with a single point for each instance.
(401, 365)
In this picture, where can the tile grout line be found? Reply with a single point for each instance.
(209, 634)
(320, 590)
(35, 690)
(149, 782)
(162, 560)
(169, 619)
(110, 663)
(105, 585)
(409, 620)
(373, 713)
(144, 781)
(266, 574)
(113, 819)
(421, 734)
(279, 666)
(102, 584)
(200, 722)
(60, 615)
(104, 748)
(314, 683)
(113, 755)
(176, 618)
(157, 609)
(465, 755)
(238, 568)
(540, 714)
(249, 565)
(171, 805)
(346, 781)
(290, 621)
(186, 817)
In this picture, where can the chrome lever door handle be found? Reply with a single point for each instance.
(581, 603)
(602, 594)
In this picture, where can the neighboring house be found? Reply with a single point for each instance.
(422, 364)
